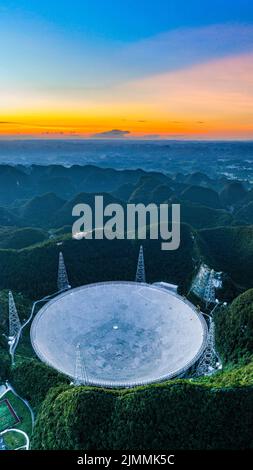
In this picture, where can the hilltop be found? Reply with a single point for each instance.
(215, 229)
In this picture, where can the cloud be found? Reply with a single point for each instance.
(74, 68)
(184, 47)
(7, 122)
(112, 134)
(53, 133)
(221, 90)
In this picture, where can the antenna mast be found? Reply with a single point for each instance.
(140, 271)
(208, 362)
(14, 321)
(62, 281)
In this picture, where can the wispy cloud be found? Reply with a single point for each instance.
(181, 48)
(7, 122)
(75, 67)
(191, 81)
(214, 96)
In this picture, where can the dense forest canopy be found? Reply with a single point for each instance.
(216, 215)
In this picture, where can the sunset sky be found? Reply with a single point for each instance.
(173, 69)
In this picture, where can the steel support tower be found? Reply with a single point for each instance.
(209, 359)
(14, 321)
(140, 271)
(209, 293)
(62, 281)
(81, 377)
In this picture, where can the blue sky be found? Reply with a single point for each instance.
(128, 20)
(67, 43)
(88, 58)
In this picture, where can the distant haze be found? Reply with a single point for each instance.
(235, 159)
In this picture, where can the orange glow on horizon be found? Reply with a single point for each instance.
(211, 100)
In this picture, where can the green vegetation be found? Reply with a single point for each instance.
(33, 379)
(206, 413)
(233, 193)
(20, 238)
(153, 189)
(64, 214)
(7, 419)
(179, 414)
(234, 329)
(40, 211)
(22, 412)
(4, 362)
(199, 216)
(198, 179)
(33, 271)
(199, 195)
(232, 376)
(229, 249)
(245, 214)
(7, 218)
(14, 440)
(24, 307)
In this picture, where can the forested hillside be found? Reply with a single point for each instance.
(234, 330)
(229, 249)
(174, 415)
(33, 271)
(216, 218)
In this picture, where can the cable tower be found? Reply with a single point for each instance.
(62, 281)
(81, 377)
(140, 271)
(208, 362)
(209, 292)
(14, 321)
